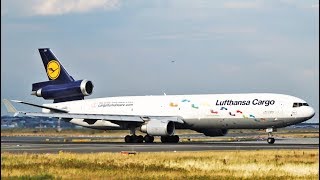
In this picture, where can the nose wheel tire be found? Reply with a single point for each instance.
(270, 140)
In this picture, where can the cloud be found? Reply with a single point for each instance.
(56, 7)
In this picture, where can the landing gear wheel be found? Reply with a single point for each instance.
(270, 140)
(134, 139)
(175, 139)
(170, 139)
(164, 139)
(128, 139)
(139, 139)
(148, 139)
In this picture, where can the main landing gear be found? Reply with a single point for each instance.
(138, 139)
(150, 139)
(170, 139)
(133, 138)
(270, 139)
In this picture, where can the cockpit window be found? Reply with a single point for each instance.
(299, 104)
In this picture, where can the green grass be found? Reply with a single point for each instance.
(257, 164)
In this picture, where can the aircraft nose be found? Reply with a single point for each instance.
(310, 112)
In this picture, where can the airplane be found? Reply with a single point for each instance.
(160, 115)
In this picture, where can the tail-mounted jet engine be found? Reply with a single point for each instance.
(158, 128)
(59, 92)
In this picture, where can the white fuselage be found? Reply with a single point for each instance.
(216, 111)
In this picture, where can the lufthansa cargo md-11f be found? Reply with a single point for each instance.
(210, 114)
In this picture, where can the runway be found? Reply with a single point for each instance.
(39, 145)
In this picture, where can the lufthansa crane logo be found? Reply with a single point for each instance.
(53, 69)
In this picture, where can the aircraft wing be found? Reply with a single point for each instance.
(107, 117)
(36, 105)
(60, 113)
(86, 116)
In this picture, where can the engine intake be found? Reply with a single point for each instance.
(158, 128)
(72, 89)
(86, 87)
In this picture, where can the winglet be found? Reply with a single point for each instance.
(9, 106)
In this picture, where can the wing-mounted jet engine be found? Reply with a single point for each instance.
(158, 128)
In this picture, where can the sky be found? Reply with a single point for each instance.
(142, 47)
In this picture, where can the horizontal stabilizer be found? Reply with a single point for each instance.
(9, 106)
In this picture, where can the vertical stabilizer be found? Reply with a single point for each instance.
(54, 69)
(61, 87)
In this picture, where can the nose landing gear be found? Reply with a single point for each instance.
(270, 139)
